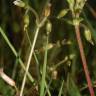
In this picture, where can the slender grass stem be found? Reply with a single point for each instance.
(15, 53)
(14, 68)
(36, 59)
(37, 63)
(44, 72)
(38, 26)
(8, 42)
(34, 12)
(46, 85)
(60, 91)
(29, 60)
(29, 75)
(60, 63)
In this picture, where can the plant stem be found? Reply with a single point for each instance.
(29, 60)
(38, 26)
(84, 62)
(15, 53)
(60, 91)
(8, 42)
(44, 71)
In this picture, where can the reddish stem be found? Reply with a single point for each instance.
(77, 31)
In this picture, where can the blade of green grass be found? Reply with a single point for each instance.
(47, 87)
(60, 91)
(29, 60)
(60, 63)
(38, 26)
(8, 42)
(15, 53)
(42, 86)
(37, 64)
(90, 27)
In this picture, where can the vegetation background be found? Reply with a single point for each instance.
(55, 65)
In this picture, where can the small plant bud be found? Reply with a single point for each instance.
(49, 27)
(26, 21)
(47, 10)
(49, 46)
(88, 36)
(19, 3)
(54, 74)
(62, 13)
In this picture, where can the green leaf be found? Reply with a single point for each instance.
(43, 79)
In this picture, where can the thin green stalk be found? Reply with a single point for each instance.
(60, 63)
(60, 91)
(47, 86)
(29, 60)
(38, 26)
(14, 68)
(29, 75)
(15, 53)
(8, 42)
(26, 31)
(34, 12)
(37, 63)
(44, 72)
(16, 64)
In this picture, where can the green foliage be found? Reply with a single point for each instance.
(39, 49)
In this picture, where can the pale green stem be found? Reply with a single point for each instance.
(44, 72)
(15, 53)
(29, 60)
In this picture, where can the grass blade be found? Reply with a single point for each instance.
(44, 72)
(60, 91)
